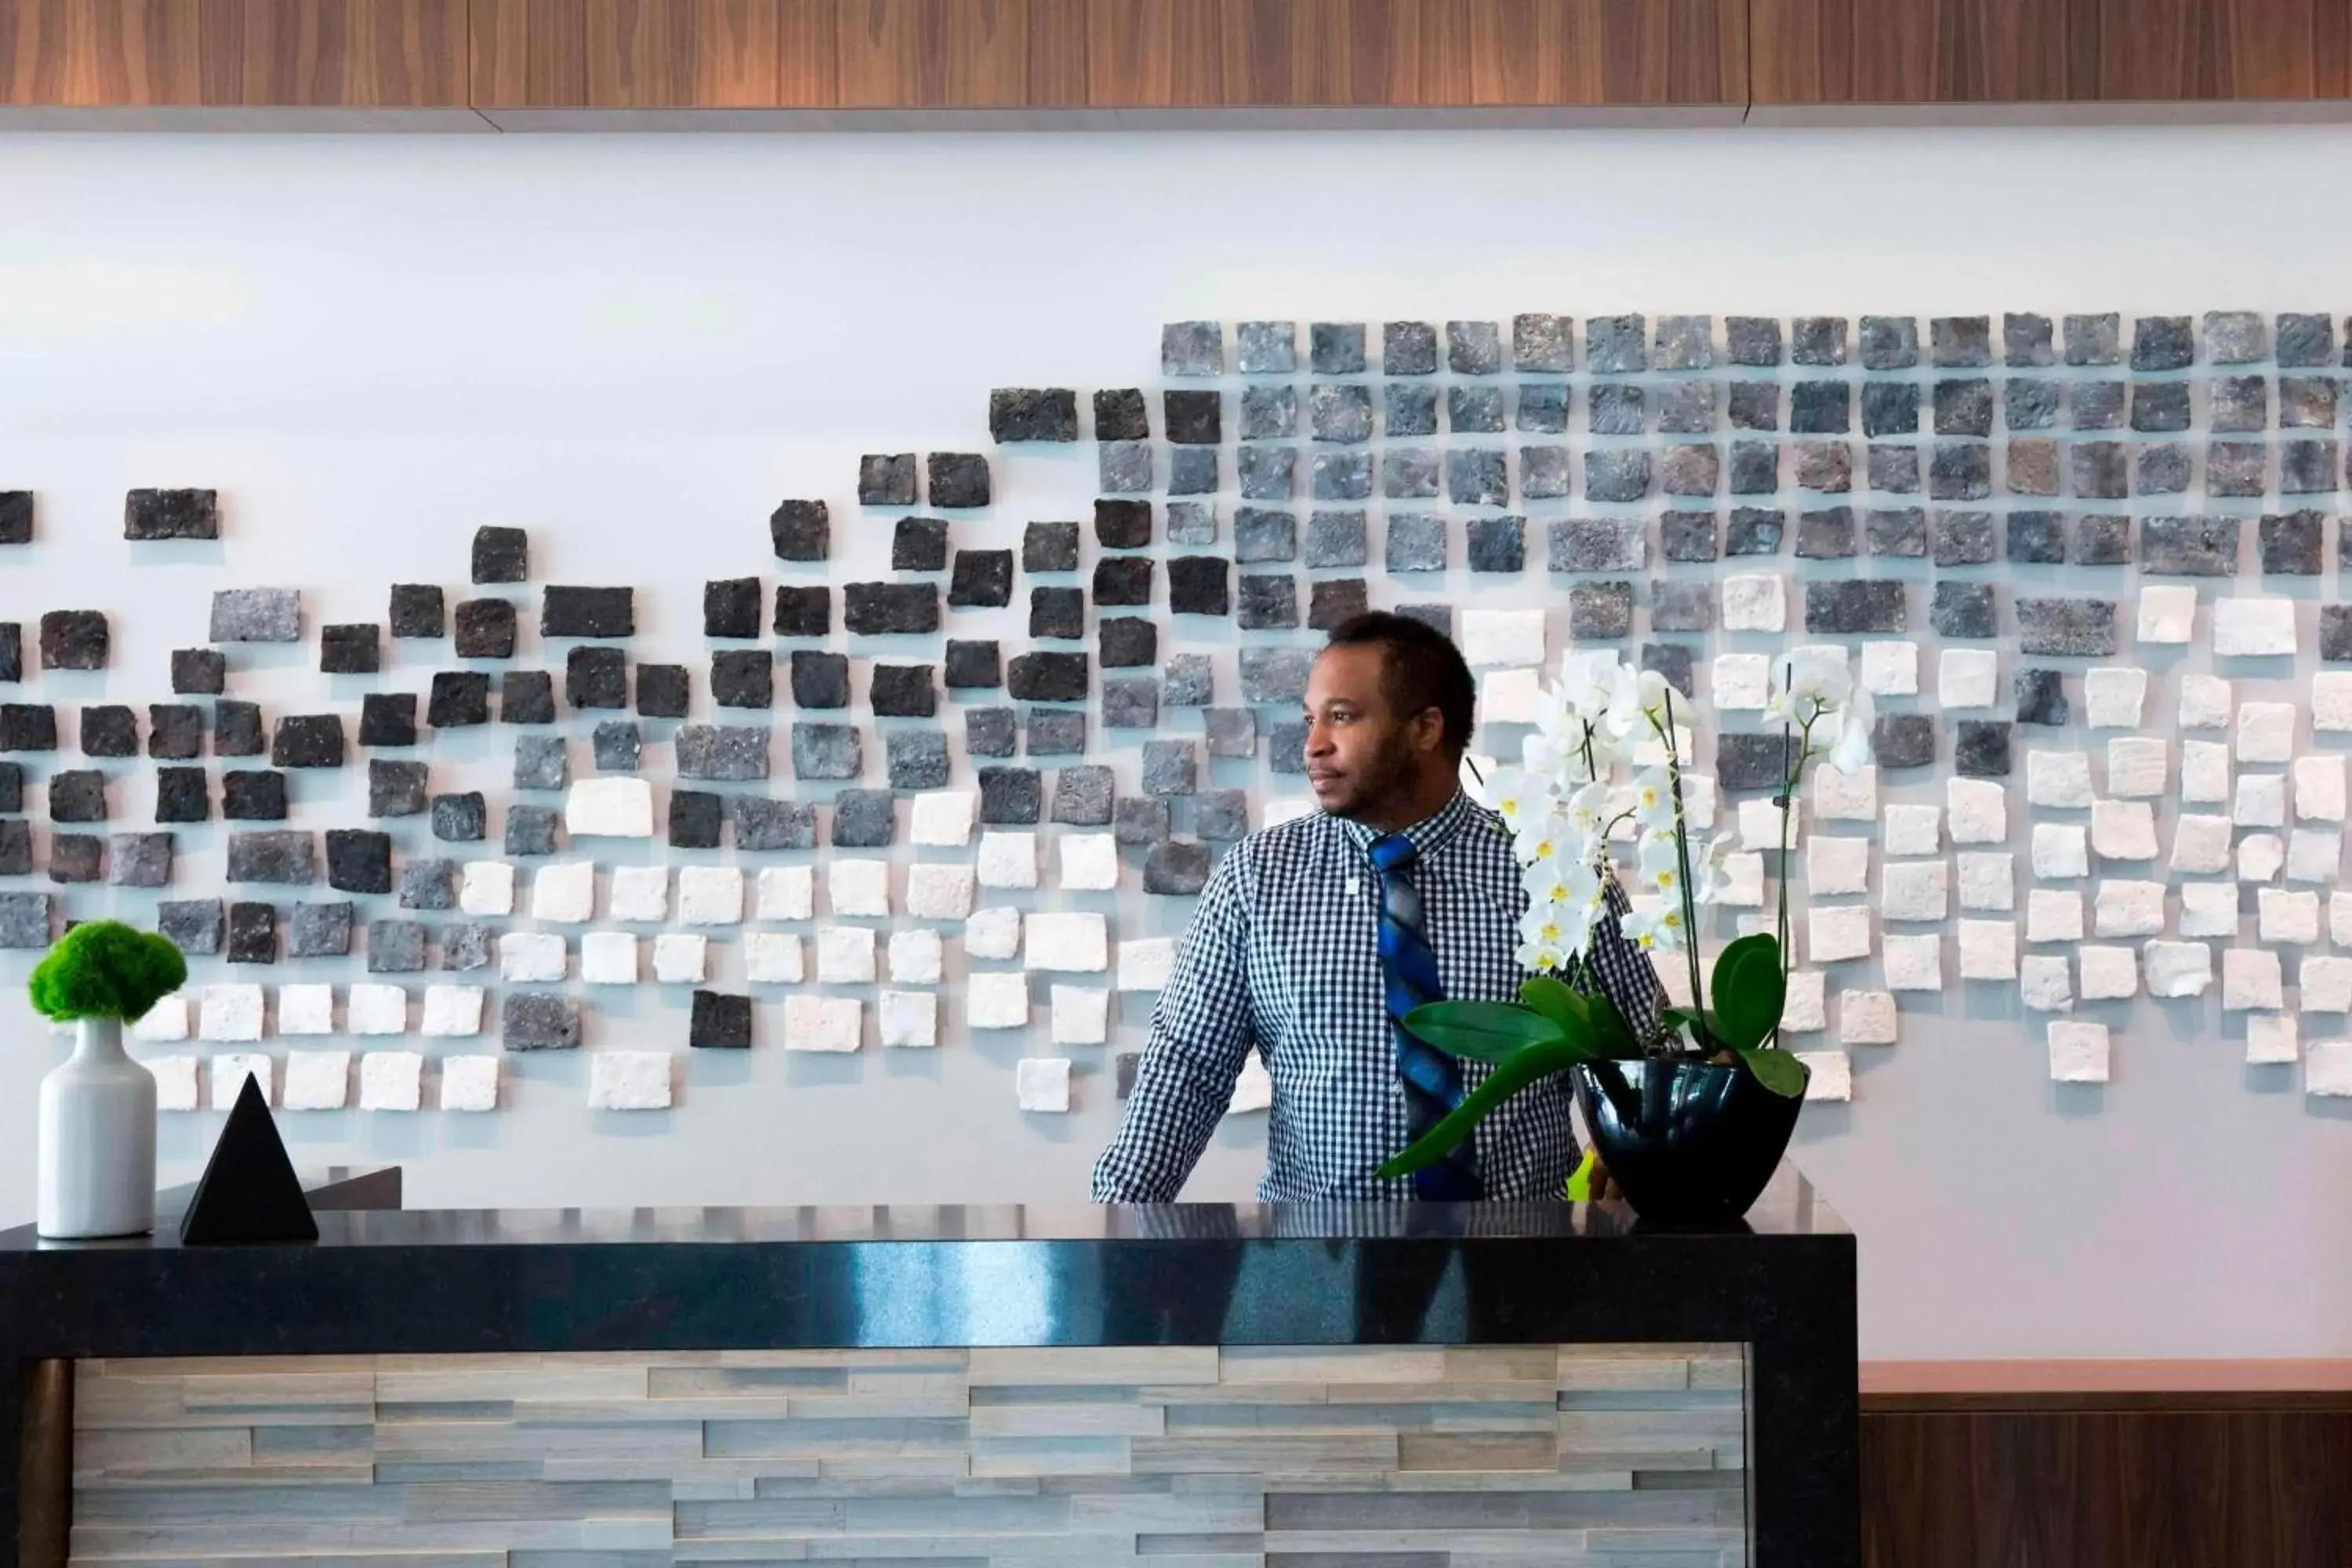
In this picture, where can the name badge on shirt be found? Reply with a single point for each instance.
(1355, 887)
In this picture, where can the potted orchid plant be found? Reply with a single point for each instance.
(1691, 1118)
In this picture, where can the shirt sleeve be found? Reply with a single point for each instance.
(1624, 972)
(1200, 1036)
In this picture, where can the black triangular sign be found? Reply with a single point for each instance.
(249, 1192)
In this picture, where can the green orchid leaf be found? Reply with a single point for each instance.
(1522, 1068)
(1483, 1031)
(1777, 1071)
(1609, 1029)
(1557, 1000)
(1749, 992)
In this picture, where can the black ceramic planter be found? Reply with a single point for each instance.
(1688, 1141)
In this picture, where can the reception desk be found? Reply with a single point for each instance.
(1198, 1385)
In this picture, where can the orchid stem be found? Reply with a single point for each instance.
(1682, 858)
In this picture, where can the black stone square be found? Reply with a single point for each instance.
(485, 628)
(1903, 740)
(820, 679)
(803, 611)
(887, 478)
(27, 727)
(1123, 579)
(77, 858)
(1121, 524)
(578, 612)
(1033, 413)
(1980, 750)
(501, 555)
(958, 481)
(1821, 408)
(77, 794)
(1753, 404)
(1960, 470)
(349, 650)
(459, 697)
(74, 639)
(199, 671)
(182, 795)
(253, 794)
(1964, 407)
(663, 690)
(1121, 415)
(460, 818)
(1057, 612)
(2037, 538)
(903, 691)
(1199, 585)
(919, 544)
(887, 609)
(1964, 610)
(2291, 543)
(695, 818)
(237, 729)
(2040, 697)
(1690, 536)
(799, 530)
(1890, 408)
(1048, 677)
(730, 607)
(1126, 642)
(174, 730)
(252, 934)
(109, 730)
(974, 666)
(1194, 418)
(526, 696)
(1754, 531)
(1267, 604)
(718, 1021)
(417, 610)
(1051, 546)
(359, 861)
(594, 678)
(1335, 601)
(1010, 797)
(308, 741)
(1855, 607)
(16, 517)
(744, 677)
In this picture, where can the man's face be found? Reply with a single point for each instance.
(1360, 751)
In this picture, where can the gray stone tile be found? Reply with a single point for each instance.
(1616, 474)
(1176, 867)
(1617, 409)
(865, 820)
(1033, 413)
(1056, 732)
(2037, 538)
(1903, 740)
(1687, 409)
(1409, 409)
(1083, 796)
(2238, 405)
(428, 884)
(1690, 469)
(1821, 408)
(1269, 413)
(1855, 607)
(1286, 747)
(1690, 536)
(768, 826)
(887, 478)
(2231, 469)
(1124, 468)
(2101, 470)
(1826, 533)
(1336, 347)
(1479, 476)
(1275, 675)
(1333, 538)
(1964, 610)
(2097, 404)
(1416, 541)
(2103, 540)
(139, 860)
(1189, 680)
(2236, 337)
(2029, 403)
(1752, 340)
(287, 858)
(2335, 633)
(1615, 345)
(2189, 546)
(461, 817)
(1960, 470)
(2290, 543)
(1682, 606)
(1408, 348)
(2307, 468)
(974, 665)
(987, 732)
(1754, 405)
(1819, 341)
(1964, 407)
(1546, 473)
(538, 1021)
(2031, 467)
(2026, 342)
(1542, 343)
(1824, 466)
(1339, 411)
(1267, 473)
(1410, 473)
(2040, 697)
(1190, 523)
(1221, 816)
(1265, 348)
(1474, 348)
(1754, 531)
(251, 614)
(1263, 533)
(2163, 342)
(2054, 628)
(2159, 406)
(1494, 543)
(1980, 749)
(2095, 339)
(532, 829)
(1672, 661)
(1598, 544)
(1599, 611)
(917, 758)
(1333, 603)
(324, 931)
(1964, 539)
(1230, 731)
(2306, 339)
(1747, 763)
(1137, 820)
(819, 751)
(1474, 410)
(1961, 341)
(195, 671)
(195, 926)
(2307, 402)
(1890, 408)
(1437, 618)
(738, 753)
(1889, 343)
(1684, 342)
(1541, 408)
(1193, 348)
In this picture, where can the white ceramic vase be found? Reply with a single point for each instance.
(98, 1141)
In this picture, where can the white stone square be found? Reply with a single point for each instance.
(860, 890)
(470, 1083)
(1042, 1084)
(2339, 919)
(2078, 1051)
(1742, 682)
(1890, 669)
(2138, 766)
(682, 958)
(2320, 788)
(1829, 1076)
(787, 893)
(943, 819)
(1843, 798)
(2201, 843)
(306, 1009)
(639, 894)
(1650, 751)
(710, 895)
(166, 1022)
(612, 808)
(2176, 969)
(175, 1083)
(1496, 639)
(1836, 932)
(2261, 801)
(1252, 1087)
(1145, 963)
(2109, 974)
(452, 1011)
(2205, 702)
(2123, 830)
(1866, 1018)
(1743, 883)
(2204, 773)
(2286, 914)
(1698, 801)
(2167, 613)
(1914, 830)
(2061, 851)
(822, 1023)
(563, 892)
(486, 887)
(2114, 698)
(1078, 942)
(2054, 914)
(2315, 855)
(2209, 909)
(2331, 701)
(376, 1009)
(608, 958)
(2323, 983)
(230, 1013)
(392, 1080)
(1081, 1015)
(1913, 890)
(2267, 732)
(997, 1000)
(2251, 978)
(910, 1019)
(1978, 809)
(844, 955)
(1968, 678)
(1988, 949)
(231, 1068)
(2061, 780)
(1759, 826)
(316, 1080)
(1008, 860)
(1089, 862)
(1987, 880)
(1835, 864)
(2122, 908)
(530, 957)
(2327, 1069)
(1510, 697)
(2246, 627)
(1755, 602)
(940, 892)
(2271, 1039)
(773, 958)
(993, 934)
(1805, 1010)
(628, 1081)
(916, 957)
(1675, 981)
(2045, 984)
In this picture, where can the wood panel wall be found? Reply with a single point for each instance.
(232, 54)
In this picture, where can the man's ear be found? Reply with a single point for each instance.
(1429, 731)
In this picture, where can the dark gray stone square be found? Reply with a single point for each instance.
(1122, 581)
(1903, 740)
(386, 719)
(1827, 534)
(1333, 538)
(2026, 342)
(1690, 536)
(1542, 409)
(1964, 407)
(1542, 343)
(1340, 476)
(1478, 476)
(277, 856)
(1474, 348)
(1416, 541)
(17, 860)
(1754, 531)
(1048, 677)
(1821, 407)
(2096, 404)
(2037, 538)
(12, 785)
(77, 794)
(982, 580)
(1190, 681)
(769, 826)
(462, 697)
(1755, 468)
(400, 788)
(1131, 702)
(485, 628)
(1899, 530)
(2029, 404)
(1495, 544)
(1336, 347)
(1230, 731)
(1598, 544)
(1684, 343)
(2335, 633)
(1274, 675)
(182, 795)
(1122, 415)
(662, 690)
(1855, 607)
(1339, 411)
(1138, 820)
(1616, 346)
(1169, 767)
(718, 1021)
(2163, 342)
(195, 926)
(1964, 610)
(1474, 410)
(308, 741)
(2307, 402)
(2032, 468)
(1599, 611)
(2307, 468)
(146, 514)
(1195, 416)
(2101, 470)
(252, 934)
(541, 761)
(1980, 749)
(1961, 341)
(886, 609)
(1050, 547)
(2080, 628)
(428, 884)
(1752, 340)
(324, 931)
(2240, 405)
(1269, 413)
(990, 732)
(1687, 409)
(1825, 466)
(2159, 406)
(1617, 409)
(2040, 697)
(1267, 604)
(903, 691)
(1199, 585)
(1176, 867)
(744, 677)
(258, 794)
(1033, 413)
(1221, 816)
(1334, 602)
(1410, 473)
(2290, 543)
(1082, 797)
(1408, 348)
(1264, 534)
(532, 829)
(577, 612)
(1058, 613)
(1267, 473)
(1672, 661)
(27, 727)
(808, 611)
(1964, 539)
(196, 671)
(501, 555)
(109, 730)
(1411, 408)
(1010, 797)
(616, 746)
(359, 860)
(1690, 469)
(974, 666)
(538, 1021)
(2306, 339)
(888, 479)
(1960, 470)
(2095, 340)
(917, 544)
(1889, 408)
(2103, 539)
(78, 640)
(2232, 468)
(1745, 764)
(526, 696)
(592, 678)
(821, 752)
(461, 818)
(1612, 474)
(1816, 341)
(349, 650)
(865, 820)
(1754, 405)
(466, 945)
(2189, 546)
(1126, 642)
(1889, 343)
(958, 481)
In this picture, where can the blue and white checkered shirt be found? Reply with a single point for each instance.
(1283, 958)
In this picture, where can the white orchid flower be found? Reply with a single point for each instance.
(1637, 704)
(1518, 797)
(1588, 809)
(1661, 869)
(1851, 752)
(1709, 876)
(1654, 801)
(1809, 686)
(1655, 931)
(1586, 680)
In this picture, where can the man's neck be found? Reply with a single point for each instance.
(1427, 798)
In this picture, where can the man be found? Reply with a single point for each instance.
(1312, 938)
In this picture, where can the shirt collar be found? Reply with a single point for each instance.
(1429, 834)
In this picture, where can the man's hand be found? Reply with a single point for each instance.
(1602, 1186)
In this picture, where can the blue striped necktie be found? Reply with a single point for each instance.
(1433, 1079)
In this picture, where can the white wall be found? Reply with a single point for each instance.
(633, 347)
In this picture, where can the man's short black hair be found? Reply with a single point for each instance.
(1422, 669)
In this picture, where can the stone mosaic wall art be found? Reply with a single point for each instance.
(2087, 565)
